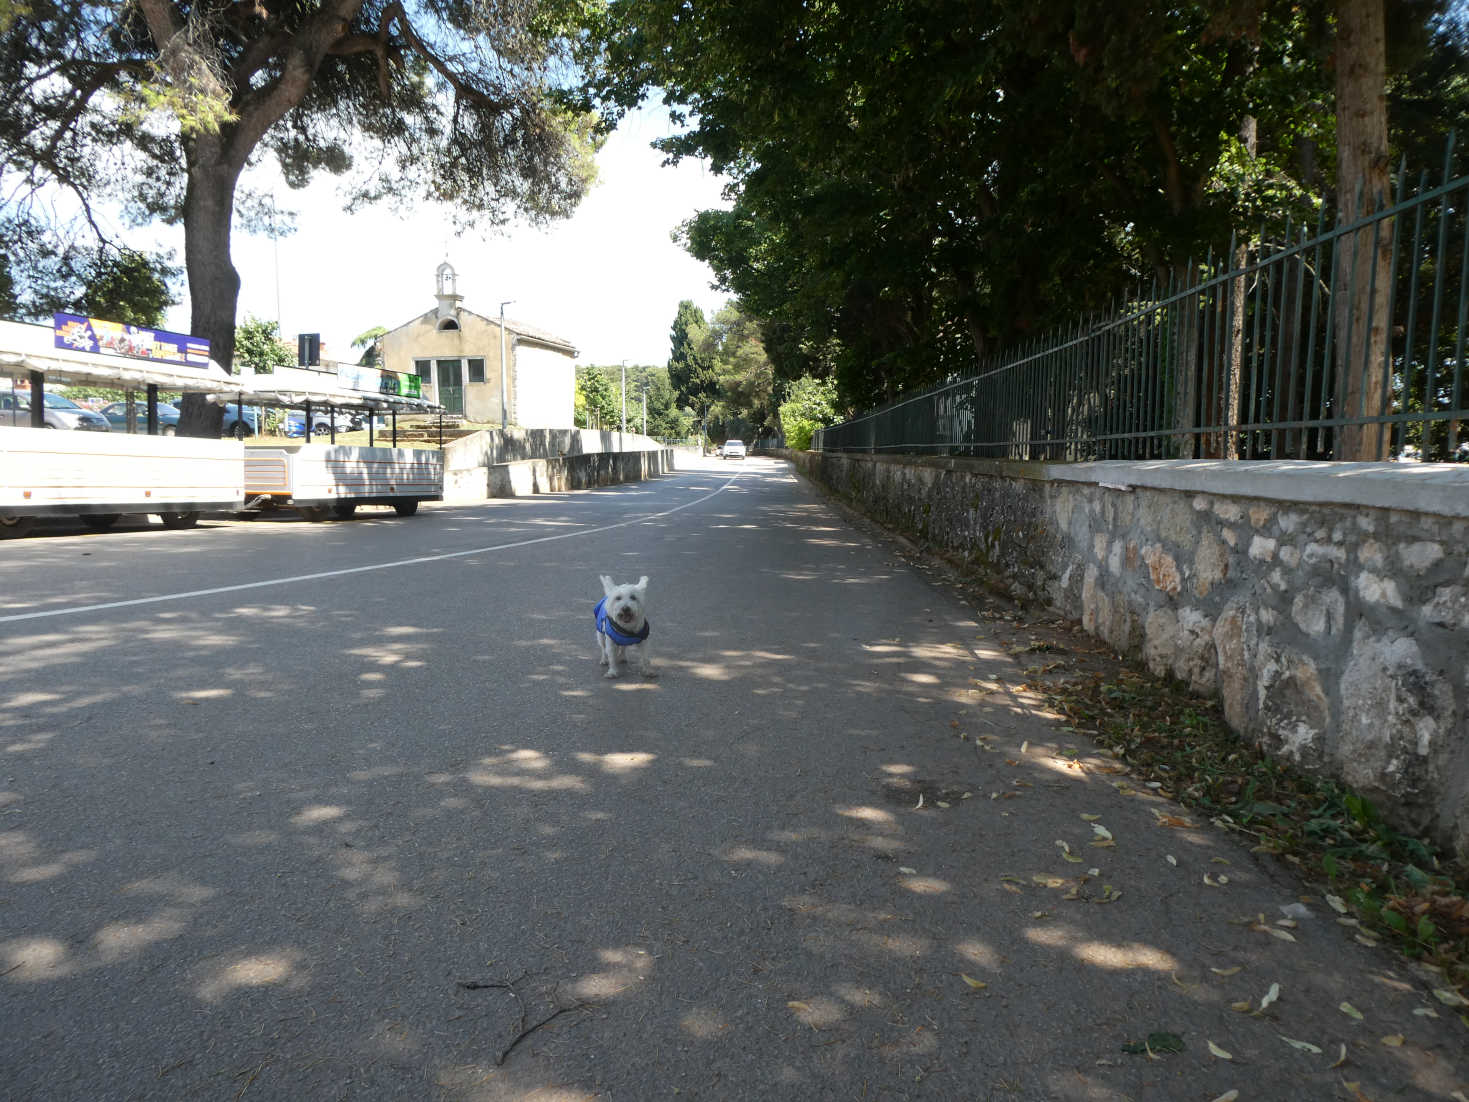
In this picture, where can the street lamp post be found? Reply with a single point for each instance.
(624, 395)
(504, 370)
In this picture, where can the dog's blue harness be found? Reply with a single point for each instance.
(607, 627)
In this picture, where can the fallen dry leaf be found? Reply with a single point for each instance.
(1426, 1012)
(1101, 832)
(1450, 998)
(1090, 818)
(1270, 996)
(978, 985)
(1171, 859)
(1242, 1007)
(1304, 1046)
(1341, 1059)
(1394, 1040)
(1219, 1052)
(1228, 1096)
(919, 803)
(1336, 904)
(1226, 971)
(1350, 1011)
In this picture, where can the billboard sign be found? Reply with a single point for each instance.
(81, 334)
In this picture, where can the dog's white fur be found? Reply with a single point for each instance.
(627, 607)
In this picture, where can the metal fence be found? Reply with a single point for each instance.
(1345, 342)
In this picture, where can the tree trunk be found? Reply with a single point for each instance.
(1360, 286)
(214, 285)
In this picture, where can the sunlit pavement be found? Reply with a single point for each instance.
(376, 827)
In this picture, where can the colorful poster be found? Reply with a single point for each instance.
(79, 334)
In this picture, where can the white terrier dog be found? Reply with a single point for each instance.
(622, 622)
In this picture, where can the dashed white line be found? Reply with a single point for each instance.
(77, 610)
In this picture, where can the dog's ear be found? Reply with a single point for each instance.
(607, 586)
(642, 586)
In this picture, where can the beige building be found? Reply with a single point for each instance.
(456, 353)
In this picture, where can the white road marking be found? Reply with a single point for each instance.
(77, 610)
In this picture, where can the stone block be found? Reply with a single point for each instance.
(1235, 634)
(1211, 564)
(1449, 607)
(1319, 611)
(1396, 716)
(1292, 707)
(1378, 590)
(1262, 549)
(1420, 556)
(1164, 570)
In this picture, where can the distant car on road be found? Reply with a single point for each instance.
(117, 416)
(59, 413)
(732, 449)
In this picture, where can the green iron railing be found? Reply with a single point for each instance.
(1343, 342)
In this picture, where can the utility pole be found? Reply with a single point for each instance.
(624, 395)
(504, 370)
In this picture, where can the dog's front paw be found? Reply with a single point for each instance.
(611, 672)
(649, 672)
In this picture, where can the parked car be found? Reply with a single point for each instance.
(732, 449)
(59, 413)
(117, 416)
(241, 422)
(321, 423)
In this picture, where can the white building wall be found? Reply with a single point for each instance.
(545, 392)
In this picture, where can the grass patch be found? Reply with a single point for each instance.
(1400, 889)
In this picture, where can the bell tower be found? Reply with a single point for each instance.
(447, 292)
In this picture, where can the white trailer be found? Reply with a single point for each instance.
(322, 480)
(98, 476)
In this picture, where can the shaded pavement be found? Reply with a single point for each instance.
(387, 834)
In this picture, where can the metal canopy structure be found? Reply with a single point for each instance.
(296, 388)
(27, 350)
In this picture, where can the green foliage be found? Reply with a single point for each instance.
(690, 368)
(368, 340)
(121, 285)
(258, 346)
(596, 402)
(917, 185)
(810, 404)
(159, 108)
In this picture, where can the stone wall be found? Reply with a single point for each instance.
(1327, 605)
(576, 472)
(469, 461)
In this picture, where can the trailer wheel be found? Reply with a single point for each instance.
(313, 513)
(179, 520)
(12, 528)
(343, 510)
(100, 521)
(405, 508)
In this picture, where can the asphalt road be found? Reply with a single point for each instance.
(345, 811)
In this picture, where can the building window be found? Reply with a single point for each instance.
(448, 325)
(476, 370)
(424, 368)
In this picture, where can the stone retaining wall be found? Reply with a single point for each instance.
(576, 472)
(1327, 605)
(469, 462)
